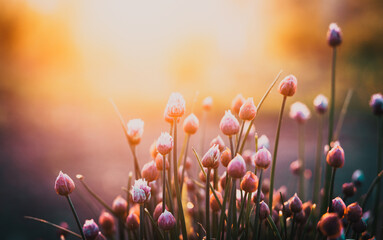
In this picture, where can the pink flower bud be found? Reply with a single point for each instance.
(202, 176)
(207, 103)
(107, 223)
(226, 157)
(160, 162)
(264, 210)
(288, 86)
(255, 196)
(248, 110)
(299, 112)
(164, 143)
(237, 103)
(334, 35)
(158, 210)
(64, 185)
(153, 150)
(348, 189)
(218, 141)
(236, 167)
(263, 142)
(90, 229)
(338, 206)
(248, 156)
(353, 212)
(176, 105)
(140, 191)
(166, 221)
(211, 158)
(335, 157)
(376, 103)
(188, 163)
(320, 104)
(191, 124)
(149, 171)
(229, 125)
(295, 204)
(213, 201)
(330, 225)
(296, 167)
(132, 221)
(119, 206)
(262, 158)
(265, 186)
(135, 130)
(249, 182)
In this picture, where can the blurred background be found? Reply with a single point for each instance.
(61, 62)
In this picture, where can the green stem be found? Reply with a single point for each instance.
(331, 190)
(240, 135)
(121, 230)
(256, 216)
(142, 223)
(54, 225)
(215, 214)
(76, 217)
(163, 183)
(376, 180)
(136, 165)
(184, 161)
(275, 154)
(223, 209)
(207, 206)
(308, 221)
(128, 192)
(170, 196)
(317, 170)
(302, 159)
(231, 146)
(342, 114)
(274, 227)
(292, 232)
(283, 215)
(242, 209)
(379, 168)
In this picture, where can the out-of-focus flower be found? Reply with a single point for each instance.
(158, 210)
(348, 189)
(335, 157)
(176, 105)
(237, 103)
(90, 229)
(295, 204)
(251, 134)
(107, 223)
(248, 110)
(166, 221)
(218, 141)
(263, 142)
(149, 171)
(191, 124)
(100, 236)
(237, 167)
(213, 201)
(229, 125)
(188, 163)
(249, 182)
(262, 158)
(62, 232)
(160, 162)
(353, 212)
(338, 206)
(132, 221)
(376, 103)
(207, 103)
(119, 206)
(334, 35)
(255, 195)
(264, 210)
(248, 157)
(295, 167)
(359, 226)
(211, 157)
(330, 225)
(299, 112)
(153, 150)
(202, 176)
(140, 191)
(226, 157)
(358, 177)
(300, 217)
(288, 86)
(320, 104)
(265, 185)
(64, 185)
(164, 143)
(222, 180)
(307, 174)
(135, 130)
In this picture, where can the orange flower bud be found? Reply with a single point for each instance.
(160, 162)
(213, 201)
(119, 206)
(153, 150)
(107, 223)
(135, 129)
(207, 103)
(149, 171)
(237, 103)
(191, 124)
(164, 143)
(176, 105)
(226, 157)
(249, 182)
(288, 86)
(218, 141)
(248, 110)
(335, 157)
(211, 158)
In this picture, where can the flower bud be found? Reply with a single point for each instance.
(140, 191)
(64, 185)
(90, 229)
(248, 110)
(288, 86)
(190, 185)
(330, 225)
(164, 143)
(135, 130)
(335, 157)
(249, 182)
(158, 210)
(348, 189)
(229, 125)
(287, 212)
(207, 103)
(119, 206)
(202, 176)
(255, 196)
(188, 163)
(237, 103)
(295, 167)
(334, 35)
(376, 103)
(299, 112)
(107, 224)
(265, 186)
(176, 105)
(132, 221)
(262, 158)
(160, 162)
(236, 167)
(264, 210)
(149, 171)
(213, 201)
(191, 124)
(248, 157)
(353, 212)
(211, 158)
(263, 142)
(226, 157)
(358, 178)
(218, 141)
(295, 204)
(338, 206)
(222, 180)
(166, 221)
(300, 217)
(320, 104)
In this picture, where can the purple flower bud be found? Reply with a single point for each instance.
(166, 221)
(348, 189)
(353, 212)
(330, 225)
(376, 103)
(334, 35)
(295, 204)
(90, 229)
(64, 185)
(338, 206)
(335, 157)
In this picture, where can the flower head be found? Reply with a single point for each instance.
(107, 223)
(164, 143)
(295, 204)
(211, 157)
(334, 35)
(135, 130)
(64, 185)
(262, 158)
(353, 212)
(249, 182)
(358, 177)
(166, 221)
(176, 105)
(296, 167)
(288, 86)
(160, 162)
(229, 125)
(237, 103)
(263, 142)
(119, 206)
(376, 103)
(338, 206)
(299, 112)
(149, 171)
(218, 141)
(248, 110)
(226, 157)
(153, 150)
(213, 201)
(348, 189)
(320, 104)
(90, 229)
(335, 157)
(330, 225)
(140, 191)
(132, 221)
(237, 167)
(191, 124)
(207, 103)
(264, 210)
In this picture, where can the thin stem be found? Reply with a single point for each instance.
(331, 190)
(302, 160)
(240, 135)
(311, 215)
(121, 230)
(215, 214)
(53, 225)
(256, 216)
(370, 189)
(207, 209)
(128, 192)
(170, 196)
(181, 156)
(223, 209)
(136, 165)
(274, 227)
(343, 114)
(184, 161)
(317, 170)
(75, 216)
(284, 210)
(242, 208)
(379, 168)
(292, 232)
(142, 222)
(232, 210)
(154, 224)
(275, 154)
(163, 183)
(231, 146)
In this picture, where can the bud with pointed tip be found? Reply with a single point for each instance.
(248, 110)
(176, 105)
(132, 221)
(237, 103)
(107, 223)
(140, 191)
(90, 229)
(218, 141)
(334, 35)
(149, 171)
(338, 206)
(157, 211)
(249, 182)
(64, 185)
(353, 212)
(160, 162)
(191, 124)
(135, 129)
(262, 158)
(166, 221)
(376, 103)
(295, 204)
(299, 112)
(229, 125)
(288, 86)
(164, 143)
(207, 103)
(264, 210)
(320, 104)
(213, 201)
(211, 158)
(237, 167)
(348, 189)
(226, 157)
(119, 206)
(335, 157)
(255, 195)
(330, 225)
